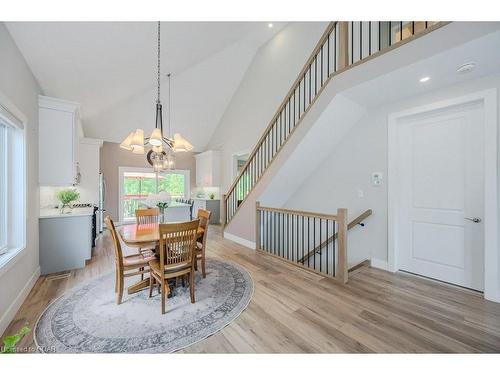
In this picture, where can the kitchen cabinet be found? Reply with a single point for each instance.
(58, 142)
(89, 154)
(65, 239)
(208, 166)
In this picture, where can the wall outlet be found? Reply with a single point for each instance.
(377, 178)
(361, 193)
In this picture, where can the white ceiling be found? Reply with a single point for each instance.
(110, 69)
(440, 68)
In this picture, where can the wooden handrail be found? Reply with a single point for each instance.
(313, 54)
(298, 213)
(352, 224)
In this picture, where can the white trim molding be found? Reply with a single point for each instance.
(491, 258)
(11, 311)
(239, 240)
(380, 264)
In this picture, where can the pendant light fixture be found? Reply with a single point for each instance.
(161, 156)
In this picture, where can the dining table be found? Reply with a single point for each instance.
(143, 236)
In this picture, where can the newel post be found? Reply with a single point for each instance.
(343, 30)
(223, 216)
(342, 271)
(257, 225)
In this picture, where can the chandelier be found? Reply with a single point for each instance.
(161, 155)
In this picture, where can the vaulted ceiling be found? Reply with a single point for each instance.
(110, 69)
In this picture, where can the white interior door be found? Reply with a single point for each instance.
(440, 173)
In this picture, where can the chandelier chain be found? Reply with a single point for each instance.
(158, 76)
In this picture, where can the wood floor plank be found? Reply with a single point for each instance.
(296, 311)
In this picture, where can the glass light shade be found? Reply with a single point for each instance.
(181, 144)
(156, 138)
(138, 139)
(170, 160)
(126, 144)
(138, 149)
(158, 149)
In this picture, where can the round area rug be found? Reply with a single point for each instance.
(88, 320)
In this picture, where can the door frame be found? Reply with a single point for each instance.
(491, 258)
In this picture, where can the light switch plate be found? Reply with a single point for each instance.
(377, 178)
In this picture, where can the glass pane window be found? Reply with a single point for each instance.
(173, 183)
(3, 188)
(138, 183)
(137, 186)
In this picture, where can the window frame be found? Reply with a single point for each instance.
(14, 191)
(121, 185)
(3, 189)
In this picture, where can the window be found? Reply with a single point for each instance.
(3, 188)
(12, 186)
(137, 183)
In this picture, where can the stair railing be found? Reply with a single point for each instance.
(324, 245)
(342, 46)
(290, 235)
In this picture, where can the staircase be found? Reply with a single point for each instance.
(342, 46)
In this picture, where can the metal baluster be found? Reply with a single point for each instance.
(401, 31)
(334, 252)
(320, 257)
(369, 38)
(328, 56)
(360, 40)
(314, 242)
(390, 33)
(327, 245)
(335, 44)
(302, 247)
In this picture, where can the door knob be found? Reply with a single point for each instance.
(474, 219)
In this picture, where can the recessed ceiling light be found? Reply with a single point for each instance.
(270, 25)
(466, 68)
(424, 79)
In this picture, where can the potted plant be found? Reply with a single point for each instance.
(67, 197)
(9, 342)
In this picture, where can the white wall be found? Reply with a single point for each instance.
(20, 87)
(265, 84)
(336, 182)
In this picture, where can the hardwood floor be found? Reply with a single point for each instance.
(295, 311)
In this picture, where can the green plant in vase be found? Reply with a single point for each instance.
(162, 206)
(67, 197)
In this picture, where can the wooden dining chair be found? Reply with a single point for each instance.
(126, 266)
(201, 241)
(147, 216)
(176, 257)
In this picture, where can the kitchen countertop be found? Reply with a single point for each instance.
(177, 204)
(205, 199)
(48, 213)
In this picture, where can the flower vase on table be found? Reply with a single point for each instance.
(162, 206)
(67, 197)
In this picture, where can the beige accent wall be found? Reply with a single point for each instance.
(113, 157)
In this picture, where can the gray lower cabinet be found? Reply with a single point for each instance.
(212, 205)
(65, 243)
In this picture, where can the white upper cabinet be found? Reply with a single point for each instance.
(89, 169)
(208, 169)
(59, 133)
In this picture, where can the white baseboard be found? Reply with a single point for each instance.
(241, 241)
(16, 304)
(381, 264)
